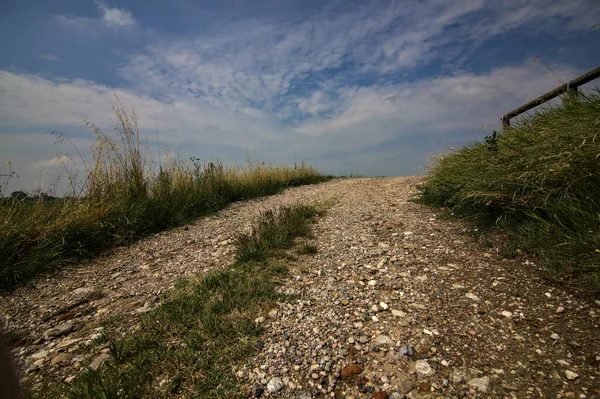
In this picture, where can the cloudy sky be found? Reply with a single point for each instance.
(362, 87)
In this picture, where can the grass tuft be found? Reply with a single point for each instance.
(127, 195)
(308, 249)
(274, 231)
(539, 181)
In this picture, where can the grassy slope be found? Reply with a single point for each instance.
(539, 181)
(192, 340)
(127, 196)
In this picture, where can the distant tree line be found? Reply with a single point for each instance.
(23, 196)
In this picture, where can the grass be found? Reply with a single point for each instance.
(539, 181)
(127, 195)
(307, 249)
(188, 345)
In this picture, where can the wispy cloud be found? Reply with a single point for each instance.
(48, 57)
(112, 19)
(293, 71)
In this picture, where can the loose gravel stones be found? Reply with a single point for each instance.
(395, 301)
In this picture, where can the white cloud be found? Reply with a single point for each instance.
(48, 57)
(78, 23)
(112, 19)
(116, 17)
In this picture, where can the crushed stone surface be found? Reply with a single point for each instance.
(395, 303)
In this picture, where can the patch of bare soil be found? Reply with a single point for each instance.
(394, 303)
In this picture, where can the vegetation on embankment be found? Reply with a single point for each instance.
(127, 195)
(188, 345)
(539, 181)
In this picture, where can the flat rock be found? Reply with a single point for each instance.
(68, 342)
(473, 297)
(99, 361)
(83, 290)
(59, 331)
(384, 340)
(62, 357)
(509, 387)
(481, 384)
(40, 355)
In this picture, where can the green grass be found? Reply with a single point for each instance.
(127, 195)
(539, 182)
(190, 342)
(307, 249)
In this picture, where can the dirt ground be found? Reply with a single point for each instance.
(394, 303)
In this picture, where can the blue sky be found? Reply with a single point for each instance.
(367, 87)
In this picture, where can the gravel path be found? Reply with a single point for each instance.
(395, 303)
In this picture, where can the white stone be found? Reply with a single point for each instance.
(481, 384)
(571, 375)
(398, 313)
(423, 368)
(274, 385)
(384, 340)
(473, 297)
(383, 305)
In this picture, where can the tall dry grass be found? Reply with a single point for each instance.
(127, 194)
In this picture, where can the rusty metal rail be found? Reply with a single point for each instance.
(570, 87)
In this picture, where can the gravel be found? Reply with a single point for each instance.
(395, 300)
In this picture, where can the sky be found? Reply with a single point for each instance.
(374, 88)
